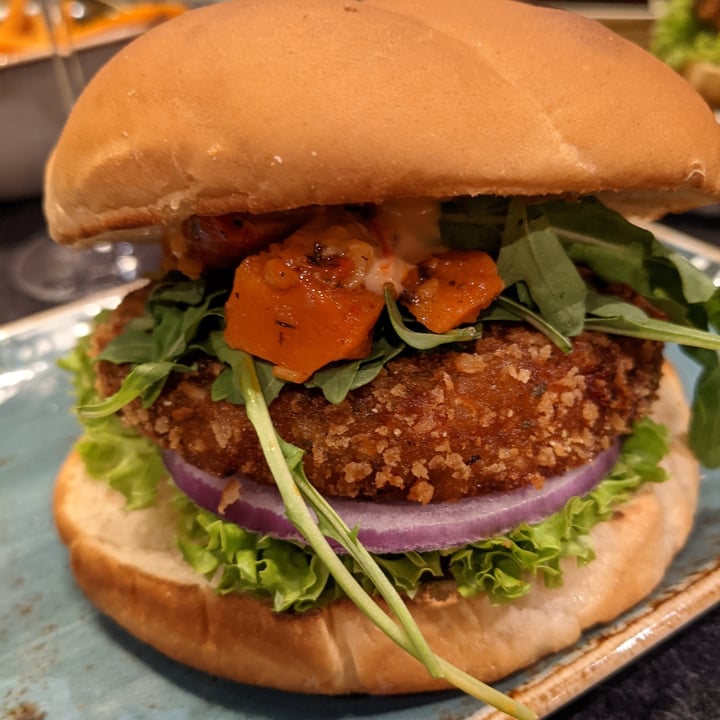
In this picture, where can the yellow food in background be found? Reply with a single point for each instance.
(23, 29)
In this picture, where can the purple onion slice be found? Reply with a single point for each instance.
(391, 527)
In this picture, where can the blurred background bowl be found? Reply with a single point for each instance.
(32, 110)
(37, 86)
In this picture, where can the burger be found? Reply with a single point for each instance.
(685, 36)
(394, 414)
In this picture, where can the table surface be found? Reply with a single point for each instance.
(680, 679)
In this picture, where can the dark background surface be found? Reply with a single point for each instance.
(678, 680)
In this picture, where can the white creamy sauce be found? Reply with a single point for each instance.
(383, 249)
(411, 232)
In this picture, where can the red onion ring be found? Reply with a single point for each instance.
(393, 527)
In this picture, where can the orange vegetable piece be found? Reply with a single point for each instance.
(217, 241)
(301, 304)
(452, 288)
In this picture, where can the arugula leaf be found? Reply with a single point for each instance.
(285, 462)
(622, 318)
(603, 240)
(136, 344)
(618, 251)
(156, 343)
(226, 385)
(177, 326)
(225, 388)
(337, 380)
(531, 254)
(474, 223)
(704, 430)
(144, 381)
(507, 309)
(425, 340)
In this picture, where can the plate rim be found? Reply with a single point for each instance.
(599, 657)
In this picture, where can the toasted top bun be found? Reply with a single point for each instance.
(264, 105)
(129, 567)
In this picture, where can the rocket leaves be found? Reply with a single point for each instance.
(616, 252)
(337, 381)
(538, 246)
(617, 317)
(532, 254)
(160, 341)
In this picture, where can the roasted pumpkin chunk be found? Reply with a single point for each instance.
(302, 303)
(451, 288)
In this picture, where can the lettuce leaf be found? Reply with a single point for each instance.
(532, 254)
(127, 461)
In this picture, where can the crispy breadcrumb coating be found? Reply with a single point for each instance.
(508, 410)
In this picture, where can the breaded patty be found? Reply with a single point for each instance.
(508, 410)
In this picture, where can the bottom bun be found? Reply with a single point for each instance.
(127, 564)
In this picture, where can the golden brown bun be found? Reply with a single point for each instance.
(128, 566)
(705, 78)
(261, 105)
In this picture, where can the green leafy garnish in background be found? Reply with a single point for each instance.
(680, 37)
